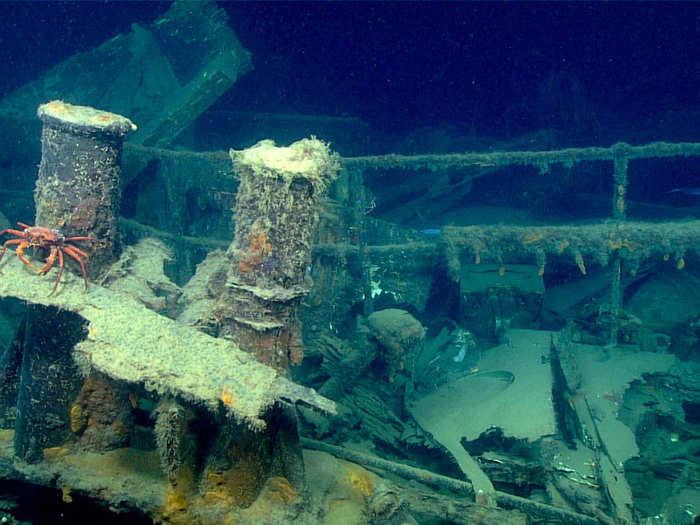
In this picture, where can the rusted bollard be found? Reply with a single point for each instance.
(276, 214)
(77, 193)
(78, 190)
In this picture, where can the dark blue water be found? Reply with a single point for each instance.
(399, 65)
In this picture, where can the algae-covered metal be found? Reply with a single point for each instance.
(78, 189)
(276, 214)
(130, 343)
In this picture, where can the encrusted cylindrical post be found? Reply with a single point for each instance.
(77, 193)
(276, 214)
(78, 190)
(49, 380)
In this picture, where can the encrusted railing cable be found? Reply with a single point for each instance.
(620, 154)
(540, 159)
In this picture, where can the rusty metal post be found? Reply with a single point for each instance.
(78, 189)
(48, 381)
(276, 214)
(78, 193)
(619, 213)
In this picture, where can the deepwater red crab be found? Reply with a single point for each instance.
(52, 240)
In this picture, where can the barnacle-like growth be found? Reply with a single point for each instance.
(171, 436)
(632, 242)
(279, 194)
(258, 247)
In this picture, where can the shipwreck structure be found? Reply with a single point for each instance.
(254, 316)
(84, 361)
(203, 406)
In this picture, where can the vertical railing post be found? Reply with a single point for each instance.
(619, 214)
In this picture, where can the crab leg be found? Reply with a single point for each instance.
(76, 250)
(70, 251)
(11, 241)
(60, 270)
(23, 245)
(79, 239)
(50, 260)
(13, 232)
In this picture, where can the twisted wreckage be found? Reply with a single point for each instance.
(167, 389)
